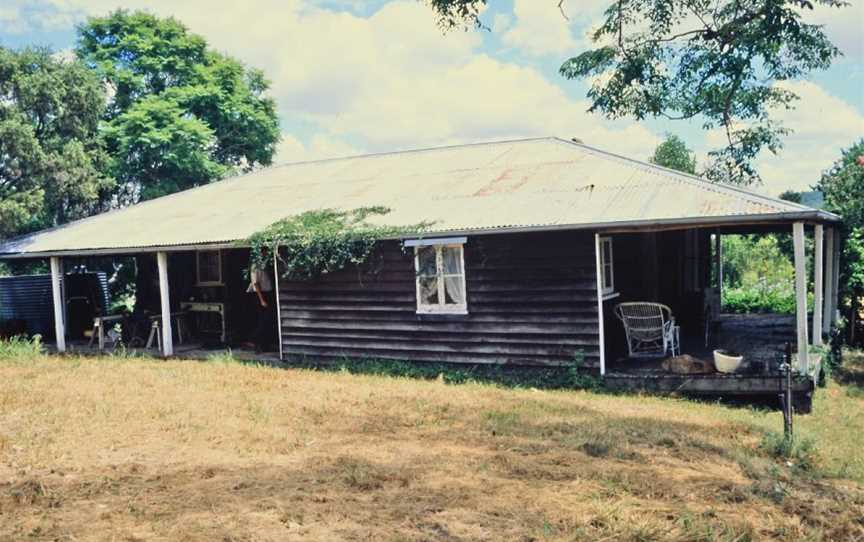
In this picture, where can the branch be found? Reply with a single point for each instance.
(561, 9)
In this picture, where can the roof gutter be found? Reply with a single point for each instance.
(809, 216)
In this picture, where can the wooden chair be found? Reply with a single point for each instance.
(650, 329)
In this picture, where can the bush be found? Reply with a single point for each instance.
(20, 347)
(801, 453)
(568, 377)
(758, 275)
(761, 298)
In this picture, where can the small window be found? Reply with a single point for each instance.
(440, 279)
(209, 268)
(607, 274)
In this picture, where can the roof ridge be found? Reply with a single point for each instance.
(271, 167)
(692, 179)
(417, 150)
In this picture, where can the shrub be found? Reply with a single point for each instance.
(758, 275)
(20, 347)
(762, 298)
(226, 356)
(801, 453)
(771, 299)
(568, 377)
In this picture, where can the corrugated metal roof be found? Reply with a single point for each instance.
(523, 184)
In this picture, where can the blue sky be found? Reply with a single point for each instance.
(352, 77)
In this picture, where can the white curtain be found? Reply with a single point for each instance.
(453, 274)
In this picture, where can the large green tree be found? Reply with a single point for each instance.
(717, 61)
(843, 186)
(50, 154)
(179, 114)
(674, 154)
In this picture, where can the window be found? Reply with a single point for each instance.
(607, 274)
(440, 277)
(209, 265)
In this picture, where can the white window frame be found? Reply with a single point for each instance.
(198, 281)
(607, 289)
(441, 307)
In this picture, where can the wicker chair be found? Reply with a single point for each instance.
(650, 329)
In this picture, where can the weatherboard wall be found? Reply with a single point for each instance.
(531, 301)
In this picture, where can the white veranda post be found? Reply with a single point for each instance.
(818, 283)
(800, 295)
(718, 262)
(164, 295)
(828, 303)
(599, 273)
(57, 294)
(278, 305)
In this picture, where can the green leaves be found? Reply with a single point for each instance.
(180, 115)
(162, 148)
(674, 154)
(758, 274)
(458, 13)
(315, 243)
(50, 153)
(139, 54)
(717, 61)
(843, 185)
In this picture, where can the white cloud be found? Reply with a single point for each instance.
(391, 80)
(540, 29)
(843, 25)
(394, 81)
(11, 20)
(822, 125)
(501, 22)
(479, 100)
(291, 149)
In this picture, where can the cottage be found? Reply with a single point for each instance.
(532, 246)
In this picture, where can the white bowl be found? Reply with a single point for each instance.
(726, 363)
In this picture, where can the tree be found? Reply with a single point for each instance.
(843, 186)
(713, 60)
(50, 153)
(180, 115)
(674, 154)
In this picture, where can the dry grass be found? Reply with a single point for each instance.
(142, 449)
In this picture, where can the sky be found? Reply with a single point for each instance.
(352, 77)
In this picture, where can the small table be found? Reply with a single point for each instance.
(99, 328)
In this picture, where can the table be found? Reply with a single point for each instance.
(208, 307)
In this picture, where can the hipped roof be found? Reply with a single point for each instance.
(521, 185)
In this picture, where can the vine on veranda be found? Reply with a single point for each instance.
(318, 242)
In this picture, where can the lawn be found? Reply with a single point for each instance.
(141, 449)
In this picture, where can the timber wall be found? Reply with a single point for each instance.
(531, 301)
